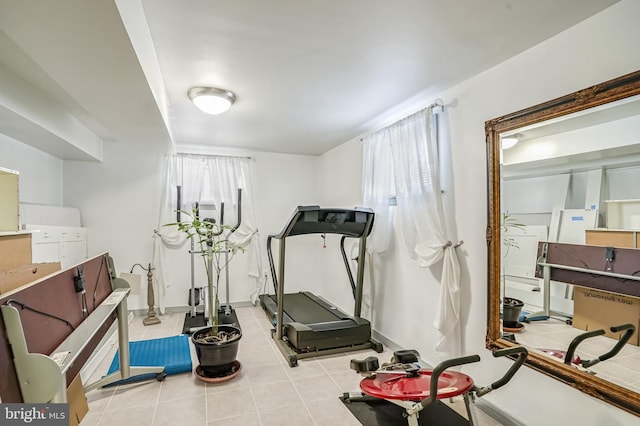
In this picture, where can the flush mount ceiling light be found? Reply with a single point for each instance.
(509, 141)
(212, 100)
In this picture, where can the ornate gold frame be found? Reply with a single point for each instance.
(610, 91)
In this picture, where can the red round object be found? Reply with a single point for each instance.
(399, 386)
(561, 355)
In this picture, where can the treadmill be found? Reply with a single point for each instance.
(307, 325)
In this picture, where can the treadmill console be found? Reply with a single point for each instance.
(316, 220)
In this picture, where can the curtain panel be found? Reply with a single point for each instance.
(401, 182)
(210, 180)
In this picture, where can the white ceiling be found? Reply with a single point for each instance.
(308, 75)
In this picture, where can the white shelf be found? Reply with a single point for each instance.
(623, 214)
(10, 233)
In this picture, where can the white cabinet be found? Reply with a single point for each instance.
(73, 246)
(45, 244)
(64, 244)
(9, 219)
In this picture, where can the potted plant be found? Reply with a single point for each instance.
(216, 344)
(511, 309)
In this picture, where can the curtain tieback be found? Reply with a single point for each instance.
(450, 244)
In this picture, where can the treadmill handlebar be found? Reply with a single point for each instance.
(274, 276)
(355, 222)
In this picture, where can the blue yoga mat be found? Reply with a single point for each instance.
(172, 353)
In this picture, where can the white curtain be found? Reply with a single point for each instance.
(211, 180)
(401, 166)
(378, 189)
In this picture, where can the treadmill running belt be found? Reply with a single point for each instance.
(305, 310)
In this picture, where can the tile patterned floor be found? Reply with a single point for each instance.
(266, 392)
(556, 334)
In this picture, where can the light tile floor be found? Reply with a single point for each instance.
(554, 333)
(266, 392)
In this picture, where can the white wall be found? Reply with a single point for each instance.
(594, 51)
(282, 182)
(120, 199)
(340, 181)
(40, 174)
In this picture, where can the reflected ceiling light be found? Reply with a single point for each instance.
(509, 141)
(211, 99)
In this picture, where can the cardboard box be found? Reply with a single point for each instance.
(25, 274)
(78, 405)
(15, 250)
(611, 238)
(595, 309)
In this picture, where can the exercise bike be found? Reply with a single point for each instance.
(404, 383)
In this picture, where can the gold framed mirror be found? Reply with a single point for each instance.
(558, 112)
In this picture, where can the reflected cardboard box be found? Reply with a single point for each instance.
(595, 309)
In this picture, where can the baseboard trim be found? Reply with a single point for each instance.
(184, 309)
(496, 413)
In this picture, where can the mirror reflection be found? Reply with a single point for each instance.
(563, 236)
(572, 180)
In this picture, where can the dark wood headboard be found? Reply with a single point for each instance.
(625, 262)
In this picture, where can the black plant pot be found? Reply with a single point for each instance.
(217, 359)
(511, 309)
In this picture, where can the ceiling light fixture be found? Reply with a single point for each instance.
(509, 141)
(211, 99)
